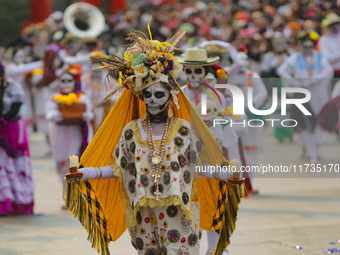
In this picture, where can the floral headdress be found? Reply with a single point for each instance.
(145, 62)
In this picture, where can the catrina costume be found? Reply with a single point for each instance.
(158, 195)
(16, 182)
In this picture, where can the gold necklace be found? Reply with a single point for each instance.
(157, 156)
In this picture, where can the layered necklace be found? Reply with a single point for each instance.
(157, 156)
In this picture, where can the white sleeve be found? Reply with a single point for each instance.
(260, 93)
(104, 172)
(79, 59)
(332, 56)
(13, 69)
(89, 107)
(50, 109)
(238, 63)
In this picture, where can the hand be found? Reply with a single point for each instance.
(56, 116)
(87, 116)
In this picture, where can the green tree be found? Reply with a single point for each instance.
(13, 15)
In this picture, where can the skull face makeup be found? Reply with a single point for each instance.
(307, 47)
(67, 83)
(19, 57)
(156, 98)
(195, 75)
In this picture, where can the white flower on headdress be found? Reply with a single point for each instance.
(141, 71)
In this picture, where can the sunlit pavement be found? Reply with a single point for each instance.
(288, 212)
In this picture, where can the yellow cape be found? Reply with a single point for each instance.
(97, 203)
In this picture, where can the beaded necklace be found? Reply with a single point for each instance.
(157, 156)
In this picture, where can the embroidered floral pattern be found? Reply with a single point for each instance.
(139, 243)
(151, 251)
(132, 147)
(192, 239)
(166, 178)
(173, 235)
(123, 162)
(128, 134)
(179, 142)
(172, 211)
(153, 188)
(164, 250)
(185, 198)
(191, 155)
(165, 224)
(117, 152)
(153, 242)
(142, 231)
(146, 169)
(182, 160)
(153, 218)
(174, 166)
(161, 216)
(144, 180)
(187, 176)
(183, 130)
(132, 169)
(132, 186)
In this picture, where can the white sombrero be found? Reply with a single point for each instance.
(197, 57)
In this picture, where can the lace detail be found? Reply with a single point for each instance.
(176, 124)
(152, 203)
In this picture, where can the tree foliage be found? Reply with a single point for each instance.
(13, 15)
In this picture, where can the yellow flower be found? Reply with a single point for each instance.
(153, 242)
(73, 97)
(153, 218)
(58, 98)
(68, 101)
(142, 231)
(165, 224)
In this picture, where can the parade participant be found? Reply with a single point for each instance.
(155, 151)
(92, 83)
(16, 183)
(329, 42)
(198, 85)
(16, 71)
(68, 137)
(244, 79)
(196, 67)
(270, 63)
(308, 69)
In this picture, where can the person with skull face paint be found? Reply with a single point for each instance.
(68, 138)
(16, 189)
(308, 69)
(148, 142)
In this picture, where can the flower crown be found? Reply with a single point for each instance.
(145, 62)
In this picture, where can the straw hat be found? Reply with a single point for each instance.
(197, 57)
(330, 19)
(215, 49)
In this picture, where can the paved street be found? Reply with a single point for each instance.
(287, 212)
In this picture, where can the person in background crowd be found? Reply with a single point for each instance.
(16, 183)
(309, 69)
(68, 136)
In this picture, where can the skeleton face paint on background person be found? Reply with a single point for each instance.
(195, 75)
(67, 83)
(307, 47)
(19, 57)
(157, 98)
